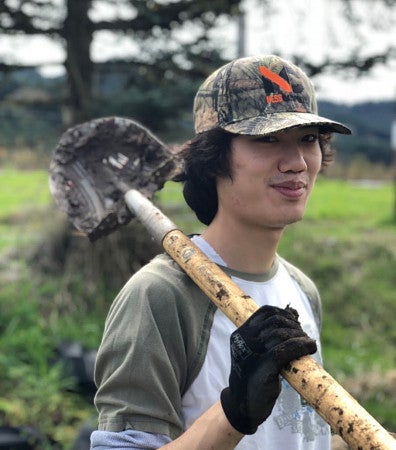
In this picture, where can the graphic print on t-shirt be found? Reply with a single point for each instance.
(295, 413)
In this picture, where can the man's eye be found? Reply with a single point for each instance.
(311, 138)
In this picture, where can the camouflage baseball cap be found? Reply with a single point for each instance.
(259, 95)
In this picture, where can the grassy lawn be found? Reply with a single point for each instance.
(22, 195)
(22, 191)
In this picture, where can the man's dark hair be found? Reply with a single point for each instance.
(206, 157)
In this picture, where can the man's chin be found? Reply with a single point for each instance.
(290, 221)
(289, 215)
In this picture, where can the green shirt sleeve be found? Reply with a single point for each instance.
(153, 346)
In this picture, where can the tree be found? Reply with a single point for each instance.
(175, 48)
(77, 32)
(154, 26)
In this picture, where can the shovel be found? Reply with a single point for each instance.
(105, 171)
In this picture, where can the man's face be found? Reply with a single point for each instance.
(271, 178)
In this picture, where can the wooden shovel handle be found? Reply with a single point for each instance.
(337, 407)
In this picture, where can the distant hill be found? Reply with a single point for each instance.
(370, 123)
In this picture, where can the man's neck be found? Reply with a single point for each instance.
(250, 250)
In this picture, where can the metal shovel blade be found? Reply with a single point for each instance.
(96, 162)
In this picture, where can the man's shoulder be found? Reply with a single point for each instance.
(161, 269)
(162, 283)
(297, 273)
(307, 286)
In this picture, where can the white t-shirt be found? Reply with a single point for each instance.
(292, 420)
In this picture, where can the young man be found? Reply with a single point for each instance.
(168, 373)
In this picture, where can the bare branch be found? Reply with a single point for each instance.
(358, 63)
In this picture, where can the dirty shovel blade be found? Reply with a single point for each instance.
(96, 162)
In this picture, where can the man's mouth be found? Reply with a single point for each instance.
(291, 188)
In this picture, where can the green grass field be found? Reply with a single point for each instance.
(351, 200)
(22, 195)
(346, 243)
(22, 190)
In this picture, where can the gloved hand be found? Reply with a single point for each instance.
(265, 344)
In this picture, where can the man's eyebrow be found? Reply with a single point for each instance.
(264, 137)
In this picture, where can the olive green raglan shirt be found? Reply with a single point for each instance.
(160, 312)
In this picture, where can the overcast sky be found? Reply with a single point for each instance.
(313, 27)
(317, 28)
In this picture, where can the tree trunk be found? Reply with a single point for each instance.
(78, 35)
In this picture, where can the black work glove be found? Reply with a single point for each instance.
(265, 344)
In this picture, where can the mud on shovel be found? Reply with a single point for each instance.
(105, 171)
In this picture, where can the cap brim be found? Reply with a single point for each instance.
(273, 123)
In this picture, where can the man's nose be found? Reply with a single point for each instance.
(293, 159)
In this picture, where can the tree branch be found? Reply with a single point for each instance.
(359, 63)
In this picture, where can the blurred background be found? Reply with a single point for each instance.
(63, 62)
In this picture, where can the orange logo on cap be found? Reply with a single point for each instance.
(274, 98)
(275, 78)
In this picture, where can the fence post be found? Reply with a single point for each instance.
(393, 149)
